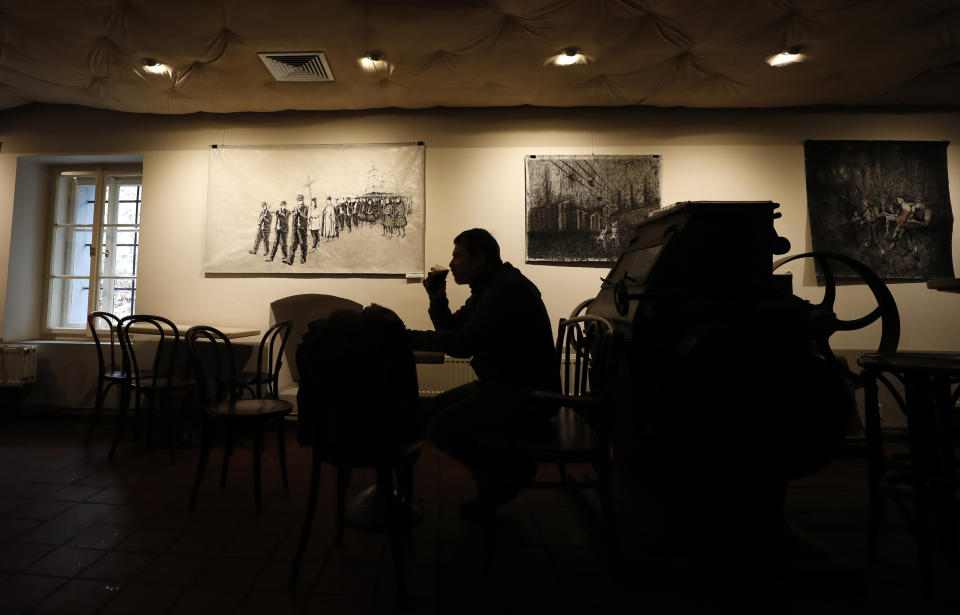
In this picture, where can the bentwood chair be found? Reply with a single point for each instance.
(579, 432)
(212, 357)
(164, 390)
(112, 363)
(263, 383)
(357, 408)
(927, 473)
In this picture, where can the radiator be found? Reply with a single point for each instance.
(18, 365)
(435, 378)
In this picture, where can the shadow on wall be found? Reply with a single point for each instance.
(66, 376)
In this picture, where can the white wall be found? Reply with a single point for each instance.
(474, 177)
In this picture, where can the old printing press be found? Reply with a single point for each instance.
(724, 390)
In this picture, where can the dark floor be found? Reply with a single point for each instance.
(81, 536)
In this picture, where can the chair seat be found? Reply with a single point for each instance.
(121, 375)
(568, 438)
(162, 383)
(251, 408)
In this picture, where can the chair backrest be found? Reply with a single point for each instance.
(584, 349)
(162, 367)
(359, 394)
(214, 367)
(111, 355)
(270, 355)
(301, 310)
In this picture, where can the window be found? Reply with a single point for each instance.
(102, 204)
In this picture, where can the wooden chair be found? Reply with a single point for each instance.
(213, 362)
(262, 383)
(164, 389)
(112, 363)
(301, 310)
(357, 408)
(579, 433)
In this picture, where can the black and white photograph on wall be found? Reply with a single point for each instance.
(337, 209)
(581, 209)
(884, 203)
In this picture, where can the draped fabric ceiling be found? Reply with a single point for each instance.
(478, 53)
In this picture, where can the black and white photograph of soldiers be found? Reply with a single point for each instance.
(329, 221)
(315, 218)
(283, 222)
(342, 218)
(884, 203)
(353, 209)
(300, 215)
(263, 230)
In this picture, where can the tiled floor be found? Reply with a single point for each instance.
(81, 536)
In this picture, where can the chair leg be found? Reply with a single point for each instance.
(405, 492)
(227, 453)
(206, 443)
(97, 408)
(307, 521)
(172, 419)
(282, 444)
(257, 448)
(875, 462)
(392, 521)
(121, 419)
(605, 489)
(343, 480)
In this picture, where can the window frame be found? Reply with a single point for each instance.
(101, 173)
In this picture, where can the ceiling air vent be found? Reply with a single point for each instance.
(297, 65)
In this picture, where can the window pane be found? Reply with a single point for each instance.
(118, 296)
(71, 251)
(68, 303)
(75, 199)
(119, 251)
(122, 200)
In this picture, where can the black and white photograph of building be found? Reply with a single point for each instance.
(580, 209)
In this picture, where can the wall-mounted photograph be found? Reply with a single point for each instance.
(315, 209)
(581, 209)
(884, 203)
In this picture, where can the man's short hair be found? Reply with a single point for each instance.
(479, 242)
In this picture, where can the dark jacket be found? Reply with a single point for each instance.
(358, 390)
(504, 326)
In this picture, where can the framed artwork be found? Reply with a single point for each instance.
(338, 209)
(580, 209)
(884, 203)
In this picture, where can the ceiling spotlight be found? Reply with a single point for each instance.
(568, 56)
(153, 66)
(372, 61)
(790, 55)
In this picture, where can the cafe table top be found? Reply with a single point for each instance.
(948, 285)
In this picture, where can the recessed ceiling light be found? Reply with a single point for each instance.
(372, 61)
(153, 66)
(790, 55)
(569, 56)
